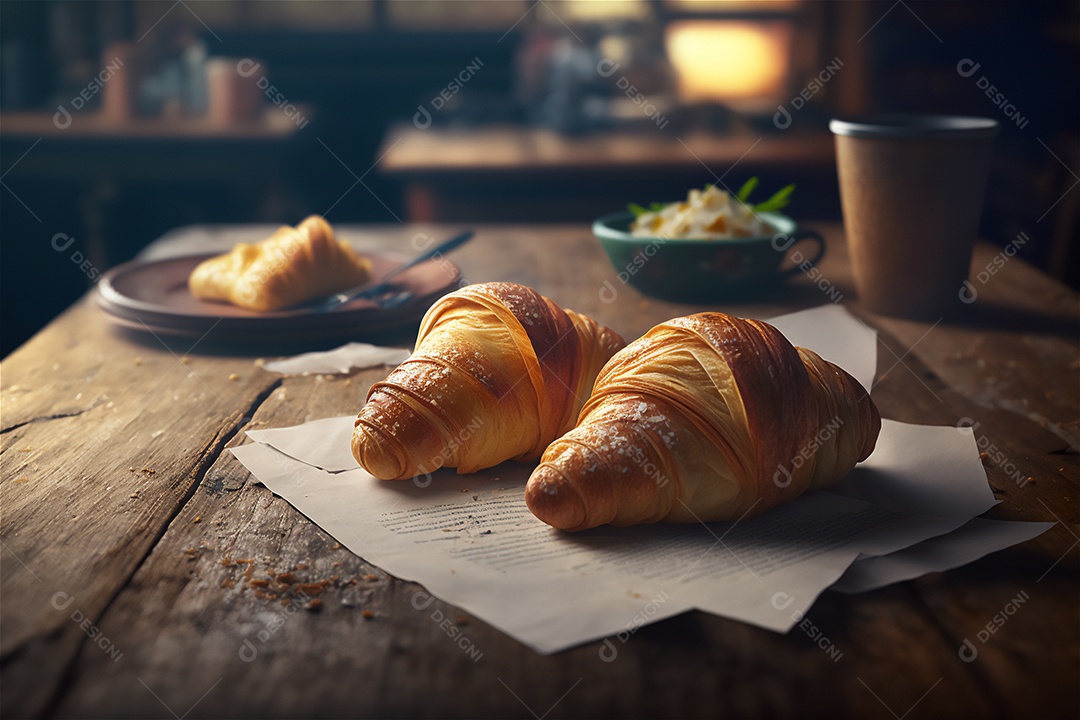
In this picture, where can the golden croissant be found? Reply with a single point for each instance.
(706, 417)
(293, 265)
(499, 371)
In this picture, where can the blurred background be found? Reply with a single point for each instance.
(123, 119)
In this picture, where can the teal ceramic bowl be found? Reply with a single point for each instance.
(706, 270)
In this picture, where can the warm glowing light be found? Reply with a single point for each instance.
(591, 10)
(720, 61)
(732, 5)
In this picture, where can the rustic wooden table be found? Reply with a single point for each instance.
(125, 523)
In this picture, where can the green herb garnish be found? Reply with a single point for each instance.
(639, 210)
(778, 201)
(747, 188)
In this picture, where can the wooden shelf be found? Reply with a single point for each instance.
(538, 175)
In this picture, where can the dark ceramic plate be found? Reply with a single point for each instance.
(154, 297)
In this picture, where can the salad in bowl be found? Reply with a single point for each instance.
(711, 246)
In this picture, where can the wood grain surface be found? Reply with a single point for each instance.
(144, 572)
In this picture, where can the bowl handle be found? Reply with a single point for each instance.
(797, 237)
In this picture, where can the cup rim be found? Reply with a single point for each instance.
(915, 126)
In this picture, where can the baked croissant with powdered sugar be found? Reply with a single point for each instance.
(706, 417)
(499, 371)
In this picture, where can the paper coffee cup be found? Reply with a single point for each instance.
(912, 189)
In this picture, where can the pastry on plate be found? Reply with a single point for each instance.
(706, 417)
(292, 266)
(499, 371)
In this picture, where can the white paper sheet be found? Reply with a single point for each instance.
(325, 444)
(952, 481)
(836, 335)
(456, 533)
(976, 539)
(471, 541)
(339, 360)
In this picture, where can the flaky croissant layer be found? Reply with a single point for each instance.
(293, 265)
(706, 417)
(499, 371)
